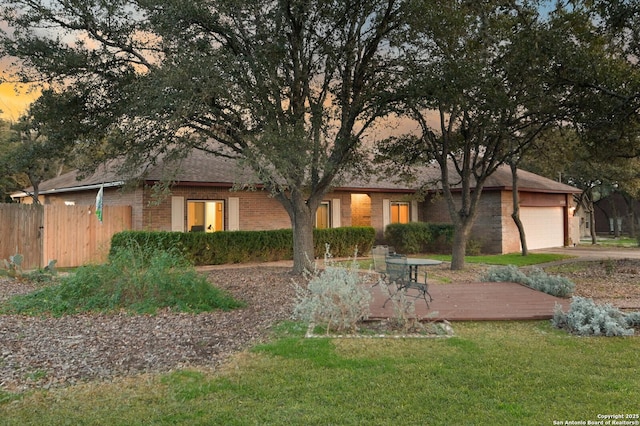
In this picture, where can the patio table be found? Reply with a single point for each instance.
(414, 263)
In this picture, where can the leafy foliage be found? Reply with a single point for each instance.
(633, 319)
(135, 279)
(245, 246)
(289, 88)
(29, 156)
(419, 237)
(483, 92)
(586, 318)
(554, 285)
(509, 273)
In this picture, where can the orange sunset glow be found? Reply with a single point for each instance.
(14, 100)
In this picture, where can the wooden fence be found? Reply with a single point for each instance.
(72, 235)
(21, 232)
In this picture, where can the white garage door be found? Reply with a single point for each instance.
(543, 226)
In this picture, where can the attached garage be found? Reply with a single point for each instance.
(543, 226)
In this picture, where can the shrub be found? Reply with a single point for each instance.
(633, 319)
(404, 307)
(473, 247)
(136, 280)
(554, 285)
(509, 273)
(334, 297)
(218, 248)
(419, 237)
(586, 318)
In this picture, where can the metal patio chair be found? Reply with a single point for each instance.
(379, 254)
(399, 274)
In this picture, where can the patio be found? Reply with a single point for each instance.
(477, 301)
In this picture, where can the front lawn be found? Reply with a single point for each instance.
(516, 259)
(495, 259)
(612, 242)
(524, 373)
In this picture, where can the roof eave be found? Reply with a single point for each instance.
(23, 194)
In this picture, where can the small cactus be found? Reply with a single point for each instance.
(14, 265)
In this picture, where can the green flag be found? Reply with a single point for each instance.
(99, 203)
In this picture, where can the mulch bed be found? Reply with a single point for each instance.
(44, 352)
(48, 352)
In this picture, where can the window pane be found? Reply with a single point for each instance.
(205, 216)
(400, 212)
(195, 216)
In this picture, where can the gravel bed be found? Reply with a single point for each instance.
(43, 352)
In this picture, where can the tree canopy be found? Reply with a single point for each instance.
(599, 66)
(292, 88)
(486, 74)
(289, 87)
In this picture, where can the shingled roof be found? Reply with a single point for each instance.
(201, 168)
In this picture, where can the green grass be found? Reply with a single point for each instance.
(516, 259)
(133, 280)
(523, 373)
(613, 242)
(497, 259)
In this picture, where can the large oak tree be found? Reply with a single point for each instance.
(485, 74)
(289, 87)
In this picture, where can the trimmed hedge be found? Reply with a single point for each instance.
(217, 248)
(419, 237)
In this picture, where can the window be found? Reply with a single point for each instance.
(322, 216)
(205, 216)
(400, 212)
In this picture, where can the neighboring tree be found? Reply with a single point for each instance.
(515, 194)
(600, 66)
(30, 157)
(561, 154)
(289, 87)
(8, 183)
(485, 73)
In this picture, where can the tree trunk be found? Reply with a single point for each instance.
(35, 195)
(592, 220)
(460, 236)
(523, 236)
(631, 214)
(303, 248)
(516, 208)
(614, 215)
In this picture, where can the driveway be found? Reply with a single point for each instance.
(586, 252)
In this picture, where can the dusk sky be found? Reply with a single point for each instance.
(14, 99)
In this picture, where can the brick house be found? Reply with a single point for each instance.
(204, 198)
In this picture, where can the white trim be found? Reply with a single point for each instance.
(386, 213)
(335, 213)
(234, 214)
(413, 216)
(69, 189)
(177, 214)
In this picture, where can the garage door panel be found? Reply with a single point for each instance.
(543, 226)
